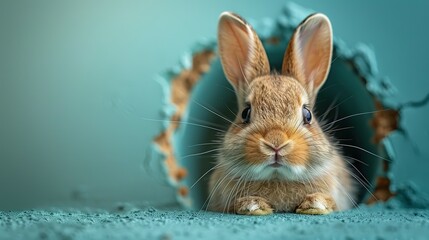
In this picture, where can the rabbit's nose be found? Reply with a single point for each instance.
(278, 150)
(276, 138)
(275, 142)
(274, 147)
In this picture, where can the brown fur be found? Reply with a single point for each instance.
(282, 196)
(308, 174)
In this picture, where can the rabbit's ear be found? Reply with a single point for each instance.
(308, 56)
(242, 54)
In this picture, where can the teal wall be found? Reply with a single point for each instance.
(76, 78)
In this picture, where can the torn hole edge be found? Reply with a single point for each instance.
(361, 59)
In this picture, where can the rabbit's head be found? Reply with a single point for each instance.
(275, 134)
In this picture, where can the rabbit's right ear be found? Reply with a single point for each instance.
(308, 56)
(241, 52)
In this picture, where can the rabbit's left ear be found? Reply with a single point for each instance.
(241, 52)
(308, 56)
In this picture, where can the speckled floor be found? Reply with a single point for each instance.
(150, 223)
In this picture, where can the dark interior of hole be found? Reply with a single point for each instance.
(195, 146)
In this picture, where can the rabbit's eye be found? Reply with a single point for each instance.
(246, 114)
(306, 114)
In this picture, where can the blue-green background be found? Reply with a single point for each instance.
(77, 77)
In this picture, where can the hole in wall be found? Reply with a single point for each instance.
(343, 94)
(205, 102)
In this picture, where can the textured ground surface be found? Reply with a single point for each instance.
(149, 223)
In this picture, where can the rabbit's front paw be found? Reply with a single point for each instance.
(316, 204)
(252, 206)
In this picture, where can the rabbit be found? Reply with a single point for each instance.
(275, 156)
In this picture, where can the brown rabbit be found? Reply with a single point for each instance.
(275, 156)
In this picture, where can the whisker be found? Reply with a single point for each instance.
(337, 105)
(217, 114)
(344, 139)
(205, 144)
(183, 122)
(355, 204)
(211, 169)
(339, 129)
(208, 123)
(330, 107)
(335, 59)
(361, 174)
(227, 88)
(357, 160)
(233, 113)
(358, 114)
(199, 154)
(327, 127)
(233, 190)
(364, 150)
(217, 185)
(361, 182)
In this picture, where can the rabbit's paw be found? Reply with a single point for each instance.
(252, 206)
(316, 204)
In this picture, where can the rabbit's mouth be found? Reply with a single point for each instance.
(276, 161)
(276, 165)
(273, 169)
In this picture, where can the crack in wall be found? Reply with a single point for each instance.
(384, 122)
(181, 89)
